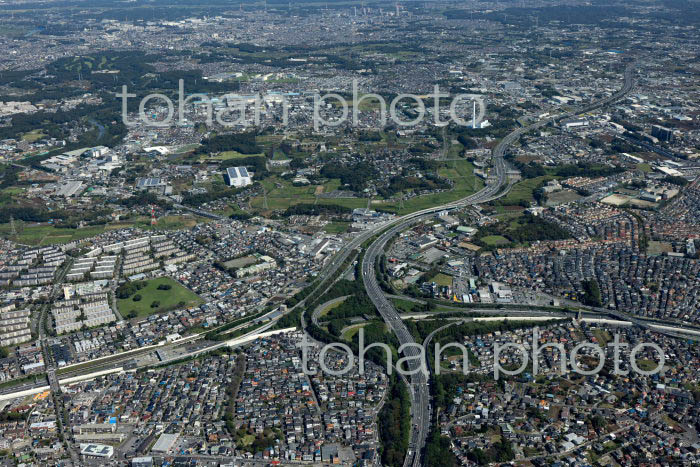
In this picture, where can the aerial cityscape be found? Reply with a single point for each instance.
(359, 233)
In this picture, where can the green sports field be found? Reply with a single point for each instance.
(169, 299)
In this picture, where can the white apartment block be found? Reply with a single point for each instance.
(14, 325)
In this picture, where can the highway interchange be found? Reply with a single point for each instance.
(497, 186)
(421, 409)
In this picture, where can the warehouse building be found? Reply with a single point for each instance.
(165, 443)
(238, 177)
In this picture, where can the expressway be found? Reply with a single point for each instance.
(496, 186)
(494, 189)
(419, 383)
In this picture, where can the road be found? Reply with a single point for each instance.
(419, 384)
(319, 309)
(494, 189)
(420, 409)
(48, 358)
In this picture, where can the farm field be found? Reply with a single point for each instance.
(227, 155)
(495, 240)
(443, 280)
(336, 227)
(282, 194)
(524, 189)
(35, 235)
(461, 172)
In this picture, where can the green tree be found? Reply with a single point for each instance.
(591, 293)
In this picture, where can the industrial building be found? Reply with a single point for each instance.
(69, 188)
(238, 177)
(96, 451)
(165, 443)
(265, 264)
(662, 133)
(156, 185)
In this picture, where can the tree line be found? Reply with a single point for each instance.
(239, 142)
(528, 228)
(395, 423)
(355, 176)
(309, 209)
